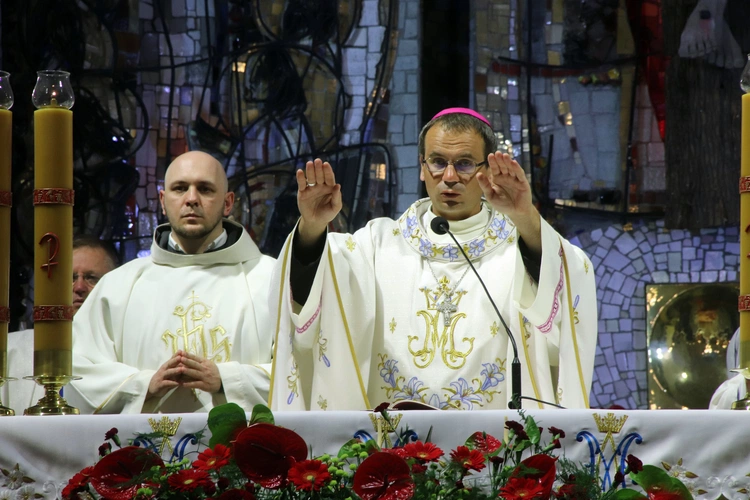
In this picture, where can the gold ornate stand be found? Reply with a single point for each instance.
(4, 410)
(52, 403)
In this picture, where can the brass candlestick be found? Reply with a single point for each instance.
(52, 403)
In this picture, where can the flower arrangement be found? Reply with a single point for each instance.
(266, 462)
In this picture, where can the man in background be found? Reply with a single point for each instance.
(187, 328)
(92, 259)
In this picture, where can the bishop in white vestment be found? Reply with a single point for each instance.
(395, 314)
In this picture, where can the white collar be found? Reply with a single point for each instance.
(218, 242)
(464, 230)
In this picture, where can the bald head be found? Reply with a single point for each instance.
(195, 199)
(198, 161)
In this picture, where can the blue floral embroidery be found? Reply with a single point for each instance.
(411, 226)
(498, 225)
(389, 371)
(450, 252)
(492, 375)
(476, 247)
(497, 231)
(464, 394)
(425, 247)
(461, 394)
(435, 401)
(410, 391)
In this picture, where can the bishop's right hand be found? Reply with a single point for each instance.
(318, 200)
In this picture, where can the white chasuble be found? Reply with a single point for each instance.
(212, 304)
(396, 314)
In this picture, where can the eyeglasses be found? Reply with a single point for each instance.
(89, 278)
(465, 166)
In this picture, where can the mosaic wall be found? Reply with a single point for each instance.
(627, 261)
(403, 123)
(572, 138)
(341, 107)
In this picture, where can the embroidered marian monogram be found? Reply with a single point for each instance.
(435, 339)
(191, 335)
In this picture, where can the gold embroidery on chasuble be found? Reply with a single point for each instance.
(351, 244)
(392, 325)
(195, 336)
(440, 319)
(494, 328)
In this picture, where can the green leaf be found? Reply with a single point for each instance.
(262, 415)
(627, 495)
(652, 478)
(371, 446)
(532, 430)
(225, 421)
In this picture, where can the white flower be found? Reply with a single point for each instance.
(25, 493)
(14, 479)
(6, 494)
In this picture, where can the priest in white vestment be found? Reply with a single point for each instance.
(736, 386)
(188, 327)
(393, 313)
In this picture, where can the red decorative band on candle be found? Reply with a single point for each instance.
(745, 184)
(4, 314)
(743, 303)
(54, 196)
(53, 313)
(6, 199)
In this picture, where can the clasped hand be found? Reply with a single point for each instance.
(185, 370)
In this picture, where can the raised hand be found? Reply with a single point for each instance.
(318, 199)
(505, 186)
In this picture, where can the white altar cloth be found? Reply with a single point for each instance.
(710, 444)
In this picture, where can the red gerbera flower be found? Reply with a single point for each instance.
(522, 488)
(426, 452)
(189, 479)
(309, 475)
(469, 459)
(383, 476)
(485, 443)
(77, 483)
(213, 459)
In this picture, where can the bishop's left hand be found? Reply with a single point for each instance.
(505, 186)
(200, 373)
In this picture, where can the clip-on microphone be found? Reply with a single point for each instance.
(440, 226)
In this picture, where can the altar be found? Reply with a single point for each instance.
(703, 448)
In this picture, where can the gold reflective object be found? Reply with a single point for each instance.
(52, 364)
(689, 327)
